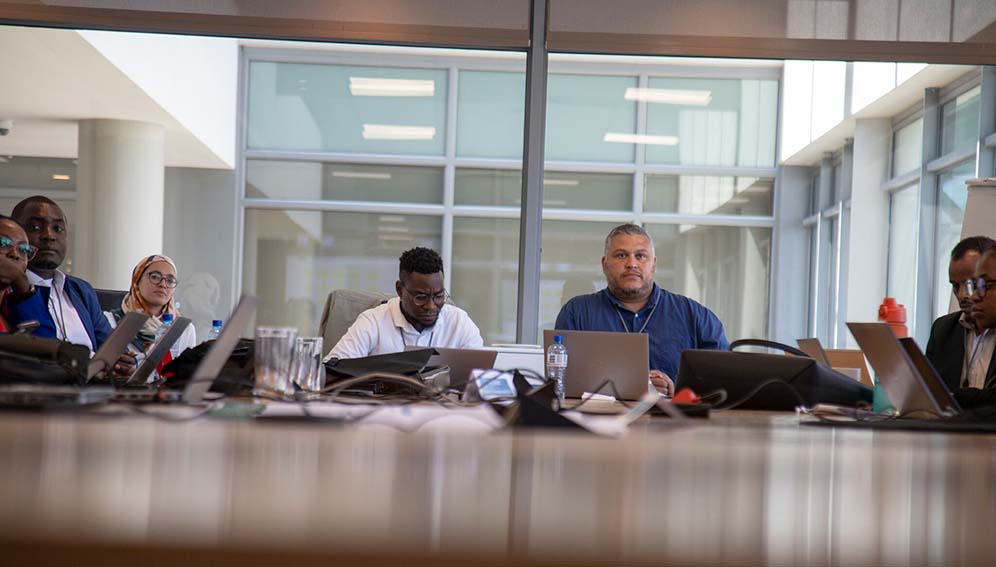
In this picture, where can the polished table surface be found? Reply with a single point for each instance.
(739, 489)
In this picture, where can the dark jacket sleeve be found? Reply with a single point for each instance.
(32, 308)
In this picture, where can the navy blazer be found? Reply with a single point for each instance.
(83, 298)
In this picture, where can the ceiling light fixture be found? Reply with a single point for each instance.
(620, 138)
(389, 132)
(560, 182)
(361, 175)
(60, 177)
(369, 86)
(670, 96)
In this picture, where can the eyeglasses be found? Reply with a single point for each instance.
(979, 285)
(157, 278)
(424, 298)
(24, 249)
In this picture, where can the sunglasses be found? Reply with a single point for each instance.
(26, 250)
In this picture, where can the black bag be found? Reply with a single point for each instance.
(767, 381)
(37, 360)
(410, 363)
(236, 377)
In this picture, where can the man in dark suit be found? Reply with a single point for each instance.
(960, 347)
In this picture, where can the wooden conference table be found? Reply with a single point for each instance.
(741, 489)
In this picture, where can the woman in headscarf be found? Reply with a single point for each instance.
(153, 282)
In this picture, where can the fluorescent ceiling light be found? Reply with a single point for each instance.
(389, 132)
(391, 218)
(561, 182)
(3, 159)
(739, 200)
(621, 138)
(383, 228)
(670, 96)
(60, 177)
(395, 237)
(369, 86)
(361, 175)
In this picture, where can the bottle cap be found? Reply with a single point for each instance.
(216, 322)
(167, 317)
(558, 339)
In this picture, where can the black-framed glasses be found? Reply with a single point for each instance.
(24, 249)
(979, 285)
(157, 278)
(424, 298)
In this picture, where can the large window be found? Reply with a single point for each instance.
(952, 193)
(903, 228)
(348, 164)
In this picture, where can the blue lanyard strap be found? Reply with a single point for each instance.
(645, 321)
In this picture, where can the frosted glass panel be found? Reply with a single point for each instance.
(491, 111)
(950, 217)
(570, 190)
(343, 181)
(902, 245)
(960, 122)
(293, 259)
(907, 148)
(485, 274)
(703, 194)
(584, 110)
(342, 108)
(711, 121)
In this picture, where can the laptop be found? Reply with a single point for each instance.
(814, 348)
(913, 387)
(102, 363)
(461, 362)
(209, 367)
(594, 357)
(158, 352)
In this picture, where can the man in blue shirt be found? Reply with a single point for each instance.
(633, 303)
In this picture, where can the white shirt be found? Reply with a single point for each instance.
(384, 329)
(68, 325)
(978, 353)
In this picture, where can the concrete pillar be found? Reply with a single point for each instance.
(869, 222)
(120, 203)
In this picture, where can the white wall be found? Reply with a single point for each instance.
(204, 101)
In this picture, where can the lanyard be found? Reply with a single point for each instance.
(405, 344)
(967, 382)
(645, 321)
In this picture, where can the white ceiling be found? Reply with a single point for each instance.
(51, 78)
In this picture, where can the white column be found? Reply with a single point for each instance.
(869, 238)
(980, 209)
(119, 199)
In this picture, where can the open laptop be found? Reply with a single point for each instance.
(209, 367)
(100, 368)
(158, 352)
(814, 348)
(461, 362)
(914, 387)
(102, 363)
(594, 357)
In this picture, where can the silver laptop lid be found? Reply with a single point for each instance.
(109, 352)
(895, 371)
(209, 368)
(937, 388)
(158, 352)
(462, 361)
(814, 348)
(595, 356)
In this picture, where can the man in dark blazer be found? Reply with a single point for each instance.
(957, 342)
(68, 305)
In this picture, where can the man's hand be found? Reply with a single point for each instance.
(125, 366)
(662, 382)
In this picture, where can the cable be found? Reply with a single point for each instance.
(615, 393)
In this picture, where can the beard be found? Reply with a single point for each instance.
(44, 264)
(632, 294)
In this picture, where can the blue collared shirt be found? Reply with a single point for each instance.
(676, 323)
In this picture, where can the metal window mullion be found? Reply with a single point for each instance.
(344, 157)
(732, 171)
(985, 166)
(346, 206)
(901, 181)
(242, 121)
(836, 275)
(531, 220)
(449, 176)
(639, 175)
(743, 221)
(814, 306)
(950, 159)
(922, 317)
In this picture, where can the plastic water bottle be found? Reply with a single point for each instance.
(215, 330)
(556, 365)
(167, 318)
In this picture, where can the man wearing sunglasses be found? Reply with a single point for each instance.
(419, 316)
(956, 341)
(68, 305)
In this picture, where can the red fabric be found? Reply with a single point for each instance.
(166, 359)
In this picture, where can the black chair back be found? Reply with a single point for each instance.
(110, 298)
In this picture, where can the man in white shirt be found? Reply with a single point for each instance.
(74, 314)
(419, 316)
